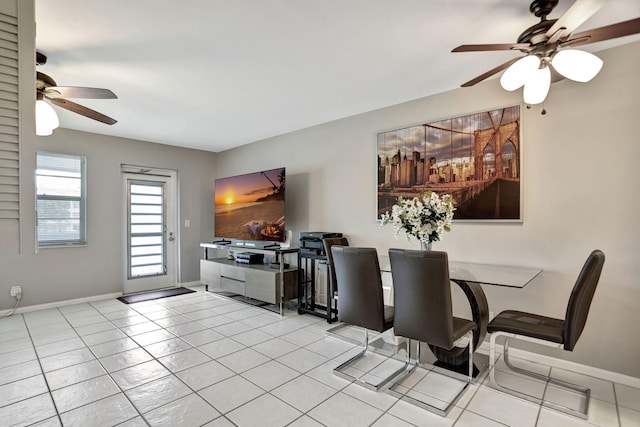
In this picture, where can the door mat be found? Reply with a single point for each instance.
(148, 296)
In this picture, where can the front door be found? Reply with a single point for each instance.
(150, 232)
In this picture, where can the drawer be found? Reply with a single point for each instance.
(261, 285)
(232, 272)
(210, 273)
(265, 285)
(231, 285)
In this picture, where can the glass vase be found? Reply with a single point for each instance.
(425, 246)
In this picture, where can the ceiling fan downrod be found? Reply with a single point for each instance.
(536, 34)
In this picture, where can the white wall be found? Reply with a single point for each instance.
(580, 189)
(58, 274)
(580, 181)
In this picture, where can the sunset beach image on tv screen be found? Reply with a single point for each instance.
(251, 206)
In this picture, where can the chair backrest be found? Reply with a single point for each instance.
(581, 297)
(360, 300)
(328, 243)
(422, 296)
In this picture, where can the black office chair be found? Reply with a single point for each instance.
(361, 303)
(423, 312)
(562, 333)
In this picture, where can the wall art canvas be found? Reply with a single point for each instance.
(477, 158)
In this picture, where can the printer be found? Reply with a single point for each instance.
(311, 242)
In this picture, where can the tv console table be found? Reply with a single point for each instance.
(256, 281)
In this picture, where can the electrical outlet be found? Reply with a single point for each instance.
(16, 291)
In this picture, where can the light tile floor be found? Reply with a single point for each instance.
(200, 359)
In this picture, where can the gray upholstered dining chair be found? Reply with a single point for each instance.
(332, 295)
(333, 283)
(562, 333)
(361, 303)
(424, 312)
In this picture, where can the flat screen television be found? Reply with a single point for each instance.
(250, 207)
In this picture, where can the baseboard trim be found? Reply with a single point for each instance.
(56, 304)
(63, 303)
(568, 365)
(191, 284)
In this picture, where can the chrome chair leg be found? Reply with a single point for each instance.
(586, 392)
(333, 333)
(437, 410)
(404, 371)
(339, 371)
(471, 350)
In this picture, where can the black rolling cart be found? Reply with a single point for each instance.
(311, 254)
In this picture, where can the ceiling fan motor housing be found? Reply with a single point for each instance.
(541, 8)
(536, 34)
(41, 58)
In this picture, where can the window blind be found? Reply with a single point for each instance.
(9, 147)
(60, 193)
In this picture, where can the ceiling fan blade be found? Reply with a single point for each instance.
(579, 12)
(80, 92)
(490, 73)
(487, 47)
(82, 110)
(613, 31)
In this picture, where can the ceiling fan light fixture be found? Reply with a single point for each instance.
(518, 73)
(537, 86)
(576, 65)
(46, 119)
(550, 41)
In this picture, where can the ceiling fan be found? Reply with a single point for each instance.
(545, 45)
(47, 88)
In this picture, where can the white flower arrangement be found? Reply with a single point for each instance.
(424, 217)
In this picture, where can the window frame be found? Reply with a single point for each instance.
(82, 199)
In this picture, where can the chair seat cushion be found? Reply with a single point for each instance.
(461, 327)
(528, 324)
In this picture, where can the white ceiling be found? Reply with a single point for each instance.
(216, 74)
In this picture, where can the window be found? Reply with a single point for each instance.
(61, 199)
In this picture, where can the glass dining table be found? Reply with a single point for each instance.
(469, 277)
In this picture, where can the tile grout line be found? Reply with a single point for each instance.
(230, 337)
(300, 374)
(615, 401)
(153, 357)
(270, 359)
(46, 381)
(298, 327)
(269, 392)
(97, 359)
(174, 374)
(171, 373)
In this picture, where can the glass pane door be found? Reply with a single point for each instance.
(146, 229)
